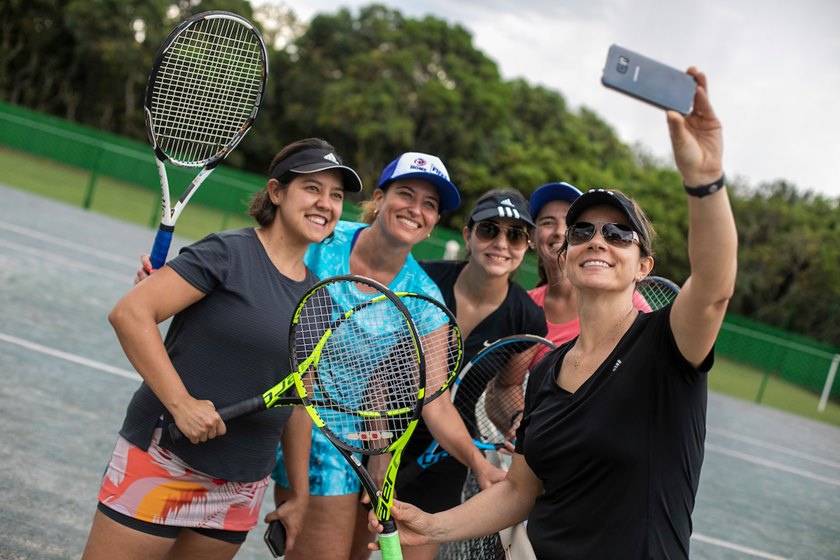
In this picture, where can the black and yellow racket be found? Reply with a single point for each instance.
(333, 307)
(358, 367)
(365, 392)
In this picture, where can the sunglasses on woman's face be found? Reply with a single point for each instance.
(618, 235)
(487, 231)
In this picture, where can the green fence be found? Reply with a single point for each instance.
(796, 359)
(791, 357)
(123, 159)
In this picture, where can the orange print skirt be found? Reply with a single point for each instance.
(157, 487)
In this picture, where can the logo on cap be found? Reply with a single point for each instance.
(332, 158)
(507, 202)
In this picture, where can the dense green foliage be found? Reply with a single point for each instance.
(375, 84)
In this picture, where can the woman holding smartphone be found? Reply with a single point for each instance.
(609, 451)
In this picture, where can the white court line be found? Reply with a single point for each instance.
(739, 548)
(27, 232)
(779, 448)
(69, 357)
(127, 279)
(771, 464)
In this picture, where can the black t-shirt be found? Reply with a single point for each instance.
(620, 458)
(518, 314)
(231, 345)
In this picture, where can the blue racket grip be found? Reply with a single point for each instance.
(160, 249)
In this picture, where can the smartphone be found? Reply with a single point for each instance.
(648, 80)
(275, 538)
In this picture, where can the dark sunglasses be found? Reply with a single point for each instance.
(614, 234)
(487, 231)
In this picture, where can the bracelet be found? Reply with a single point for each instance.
(705, 190)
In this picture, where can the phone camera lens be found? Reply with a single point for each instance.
(623, 64)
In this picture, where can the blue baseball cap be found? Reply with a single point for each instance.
(550, 192)
(417, 165)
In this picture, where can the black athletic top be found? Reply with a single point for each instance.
(518, 314)
(230, 345)
(619, 458)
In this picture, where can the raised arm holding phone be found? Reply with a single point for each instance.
(609, 451)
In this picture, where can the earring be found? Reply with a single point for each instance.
(376, 212)
(428, 235)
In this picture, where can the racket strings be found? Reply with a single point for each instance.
(491, 394)
(366, 378)
(440, 339)
(207, 87)
(657, 292)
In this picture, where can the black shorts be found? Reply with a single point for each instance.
(437, 488)
(170, 531)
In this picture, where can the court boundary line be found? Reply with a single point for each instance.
(86, 249)
(732, 546)
(126, 278)
(34, 346)
(771, 464)
(786, 450)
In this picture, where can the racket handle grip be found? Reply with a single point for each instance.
(160, 249)
(389, 541)
(254, 404)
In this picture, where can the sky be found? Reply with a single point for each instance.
(773, 68)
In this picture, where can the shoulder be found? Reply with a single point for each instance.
(416, 279)
(538, 294)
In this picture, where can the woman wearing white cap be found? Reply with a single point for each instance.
(488, 306)
(609, 450)
(227, 294)
(410, 195)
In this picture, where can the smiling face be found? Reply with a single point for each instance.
(496, 257)
(598, 264)
(551, 227)
(310, 206)
(407, 210)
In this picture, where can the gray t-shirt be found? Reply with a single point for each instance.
(231, 345)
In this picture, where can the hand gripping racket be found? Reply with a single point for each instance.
(489, 394)
(657, 291)
(202, 97)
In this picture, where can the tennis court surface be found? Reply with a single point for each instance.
(770, 486)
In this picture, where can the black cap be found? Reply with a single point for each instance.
(604, 197)
(502, 205)
(313, 160)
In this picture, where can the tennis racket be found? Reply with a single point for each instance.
(437, 329)
(657, 291)
(202, 97)
(374, 367)
(321, 336)
(489, 393)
